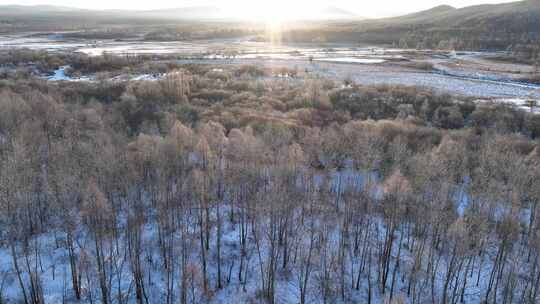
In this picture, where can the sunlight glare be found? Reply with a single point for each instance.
(273, 13)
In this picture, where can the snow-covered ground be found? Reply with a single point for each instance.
(380, 74)
(521, 103)
(351, 60)
(60, 75)
(47, 256)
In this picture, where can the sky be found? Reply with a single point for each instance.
(365, 8)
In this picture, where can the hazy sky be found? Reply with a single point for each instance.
(367, 8)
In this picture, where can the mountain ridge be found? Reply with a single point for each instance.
(202, 12)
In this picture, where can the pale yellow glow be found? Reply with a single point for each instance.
(274, 24)
(274, 12)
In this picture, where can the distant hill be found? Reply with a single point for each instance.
(26, 9)
(490, 26)
(183, 13)
(35, 10)
(333, 12)
(15, 18)
(523, 14)
(195, 12)
(426, 15)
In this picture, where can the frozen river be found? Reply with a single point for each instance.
(379, 74)
(464, 74)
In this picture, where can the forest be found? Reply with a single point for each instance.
(229, 184)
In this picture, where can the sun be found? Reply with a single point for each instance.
(272, 13)
(274, 24)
